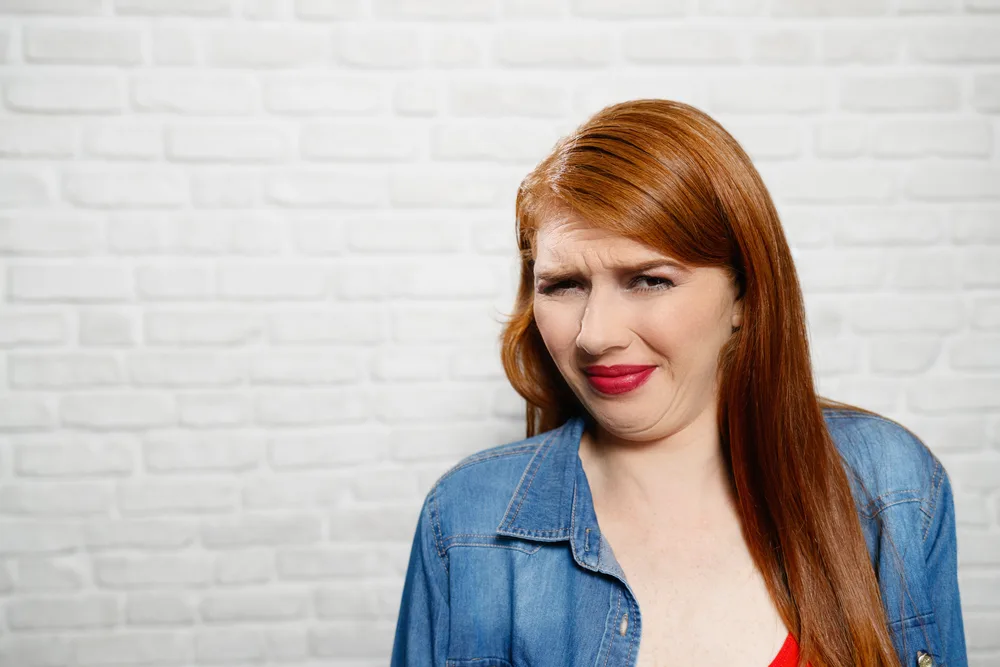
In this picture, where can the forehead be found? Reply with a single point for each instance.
(568, 241)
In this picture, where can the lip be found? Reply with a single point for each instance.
(618, 379)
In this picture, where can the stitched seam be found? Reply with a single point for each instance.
(614, 630)
(892, 504)
(504, 521)
(524, 494)
(519, 449)
(436, 525)
(936, 480)
(631, 643)
(493, 546)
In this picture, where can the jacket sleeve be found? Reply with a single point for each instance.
(422, 625)
(941, 552)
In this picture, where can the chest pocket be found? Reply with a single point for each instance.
(478, 662)
(916, 636)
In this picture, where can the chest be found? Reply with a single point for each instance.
(701, 602)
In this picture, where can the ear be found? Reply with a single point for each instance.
(736, 320)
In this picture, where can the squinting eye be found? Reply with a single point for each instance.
(556, 287)
(658, 283)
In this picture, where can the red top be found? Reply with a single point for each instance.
(788, 654)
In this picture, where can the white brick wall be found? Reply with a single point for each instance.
(255, 254)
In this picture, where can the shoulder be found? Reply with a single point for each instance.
(887, 462)
(475, 491)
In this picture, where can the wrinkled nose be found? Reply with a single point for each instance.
(603, 325)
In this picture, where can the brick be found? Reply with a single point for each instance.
(83, 93)
(908, 355)
(303, 94)
(947, 138)
(831, 183)
(20, 413)
(981, 268)
(186, 370)
(829, 7)
(291, 368)
(38, 536)
(116, 189)
(132, 648)
(454, 48)
(767, 94)
(297, 492)
(343, 602)
(184, 452)
(154, 571)
(328, 10)
(379, 48)
(230, 646)
(446, 187)
(174, 497)
(244, 567)
(48, 234)
(158, 609)
(986, 92)
(842, 139)
(946, 394)
(277, 281)
(917, 314)
(108, 328)
(63, 371)
(266, 47)
(206, 410)
(682, 47)
(261, 530)
(177, 282)
(146, 534)
(888, 227)
(900, 93)
(626, 9)
(909, 272)
(955, 44)
(342, 325)
(62, 613)
(499, 99)
(442, 10)
(418, 98)
(974, 227)
(535, 47)
(195, 94)
(325, 189)
(228, 189)
(410, 363)
(783, 47)
(35, 138)
(202, 328)
(335, 562)
(175, 46)
(87, 46)
(350, 141)
(224, 143)
(24, 189)
(48, 575)
(957, 180)
(32, 329)
(399, 404)
(117, 410)
(374, 235)
(124, 141)
(232, 607)
(869, 46)
(307, 452)
(66, 499)
(77, 7)
(436, 324)
(352, 639)
(840, 270)
(82, 283)
(299, 408)
(171, 7)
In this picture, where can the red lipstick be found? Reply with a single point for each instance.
(617, 379)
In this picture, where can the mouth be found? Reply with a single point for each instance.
(614, 380)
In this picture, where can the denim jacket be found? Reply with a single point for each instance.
(507, 565)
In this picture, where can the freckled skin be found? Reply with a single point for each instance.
(654, 462)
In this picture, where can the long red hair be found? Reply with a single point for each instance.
(667, 175)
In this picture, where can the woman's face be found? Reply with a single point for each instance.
(593, 306)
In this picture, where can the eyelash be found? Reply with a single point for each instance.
(664, 285)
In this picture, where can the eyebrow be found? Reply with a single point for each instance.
(557, 274)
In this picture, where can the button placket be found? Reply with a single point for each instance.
(924, 659)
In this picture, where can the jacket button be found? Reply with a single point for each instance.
(924, 659)
(624, 626)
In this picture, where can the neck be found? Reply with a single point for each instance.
(678, 479)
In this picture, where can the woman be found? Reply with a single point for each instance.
(683, 495)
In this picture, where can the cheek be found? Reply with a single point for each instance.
(557, 324)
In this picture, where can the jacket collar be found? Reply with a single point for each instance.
(553, 502)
